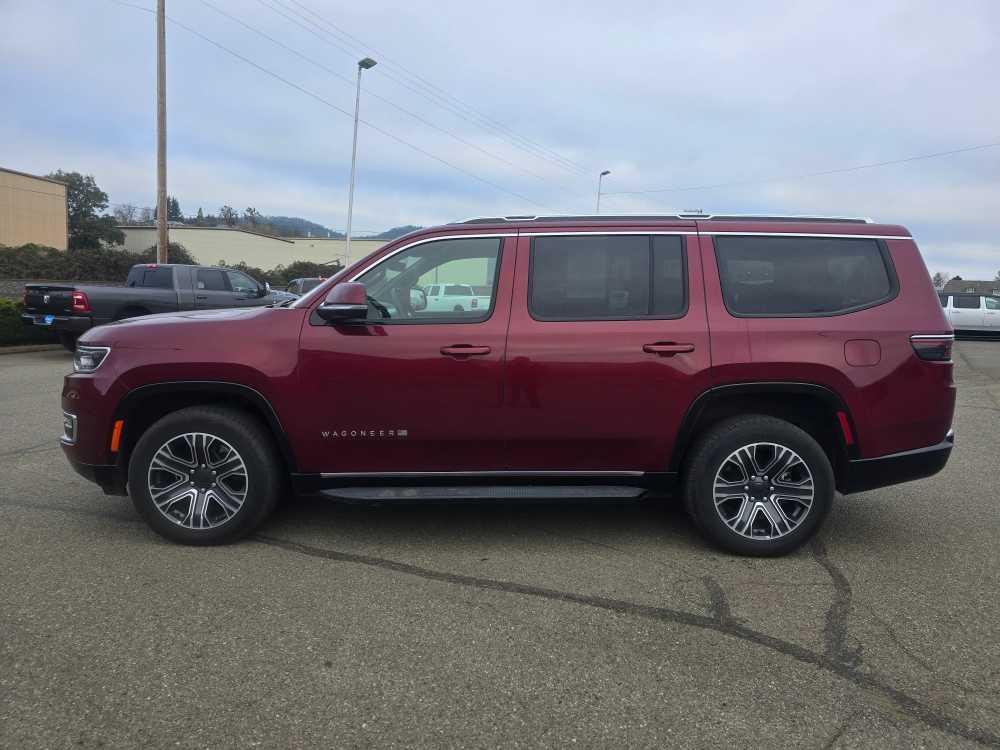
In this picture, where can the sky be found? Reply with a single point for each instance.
(489, 108)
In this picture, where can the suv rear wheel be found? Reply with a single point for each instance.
(758, 486)
(204, 475)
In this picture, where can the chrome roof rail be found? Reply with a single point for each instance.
(678, 216)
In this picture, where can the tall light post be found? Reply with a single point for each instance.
(599, 178)
(365, 63)
(162, 240)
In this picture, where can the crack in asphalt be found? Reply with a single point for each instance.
(833, 661)
(47, 445)
(718, 604)
(836, 631)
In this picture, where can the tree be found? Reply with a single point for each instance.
(199, 219)
(84, 199)
(125, 213)
(998, 275)
(174, 210)
(251, 216)
(228, 215)
(146, 215)
(940, 279)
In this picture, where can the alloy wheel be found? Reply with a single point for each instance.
(763, 491)
(197, 480)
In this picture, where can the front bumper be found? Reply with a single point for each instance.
(71, 323)
(111, 478)
(871, 473)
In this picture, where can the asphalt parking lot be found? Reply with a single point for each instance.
(496, 625)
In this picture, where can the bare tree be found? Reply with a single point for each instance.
(146, 215)
(251, 216)
(940, 278)
(125, 213)
(228, 215)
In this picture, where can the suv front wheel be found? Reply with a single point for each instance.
(758, 486)
(204, 475)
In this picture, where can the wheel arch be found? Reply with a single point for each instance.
(812, 407)
(144, 405)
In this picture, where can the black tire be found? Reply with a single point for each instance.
(711, 457)
(236, 430)
(67, 339)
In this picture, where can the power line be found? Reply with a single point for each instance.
(378, 96)
(425, 90)
(333, 106)
(432, 87)
(805, 175)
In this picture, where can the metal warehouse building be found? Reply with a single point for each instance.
(210, 245)
(32, 209)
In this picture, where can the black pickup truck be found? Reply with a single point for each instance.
(149, 288)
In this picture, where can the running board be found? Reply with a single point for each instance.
(450, 493)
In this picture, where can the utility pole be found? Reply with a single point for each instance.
(365, 63)
(599, 178)
(162, 240)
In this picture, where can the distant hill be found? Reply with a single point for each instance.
(391, 234)
(295, 226)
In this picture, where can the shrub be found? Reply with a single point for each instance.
(13, 331)
(82, 264)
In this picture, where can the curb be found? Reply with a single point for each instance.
(30, 348)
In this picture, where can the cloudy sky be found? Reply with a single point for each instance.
(514, 107)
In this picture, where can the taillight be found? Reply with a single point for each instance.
(80, 303)
(933, 347)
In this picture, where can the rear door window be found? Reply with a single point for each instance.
(967, 301)
(802, 276)
(152, 278)
(607, 277)
(212, 280)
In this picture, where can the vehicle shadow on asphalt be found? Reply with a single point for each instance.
(471, 523)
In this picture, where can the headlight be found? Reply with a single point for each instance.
(89, 358)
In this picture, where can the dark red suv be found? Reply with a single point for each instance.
(754, 365)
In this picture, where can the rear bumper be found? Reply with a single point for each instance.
(871, 473)
(71, 323)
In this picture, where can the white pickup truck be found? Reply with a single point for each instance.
(455, 298)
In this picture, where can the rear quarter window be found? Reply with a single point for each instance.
(803, 276)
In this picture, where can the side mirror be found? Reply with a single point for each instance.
(418, 299)
(263, 289)
(346, 303)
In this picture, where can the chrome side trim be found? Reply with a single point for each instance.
(811, 234)
(933, 336)
(421, 474)
(426, 240)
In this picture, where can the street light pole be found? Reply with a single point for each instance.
(162, 240)
(365, 63)
(599, 178)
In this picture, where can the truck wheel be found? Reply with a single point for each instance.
(204, 475)
(758, 486)
(68, 340)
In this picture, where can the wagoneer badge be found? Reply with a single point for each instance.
(367, 434)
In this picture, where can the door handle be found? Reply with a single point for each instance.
(465, 350)
(667, 348)
(200, 296)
